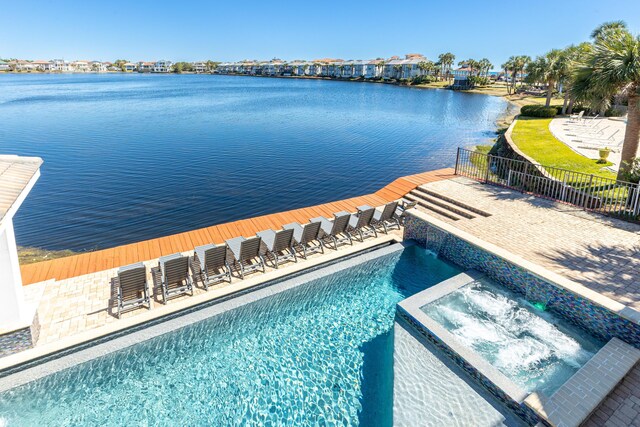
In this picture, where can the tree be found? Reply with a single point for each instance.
(549, 68)
(613, 68)
(485, 66)
(426, 67)
(211, 65)
(446, 60)
(120, 63)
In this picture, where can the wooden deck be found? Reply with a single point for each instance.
(91, 262)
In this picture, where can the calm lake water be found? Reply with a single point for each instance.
(133, 157)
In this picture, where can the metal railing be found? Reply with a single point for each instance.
(603, 195)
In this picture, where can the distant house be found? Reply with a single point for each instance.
(98, 66)
(4, 66)
(129, 66)
(461, 77)
(145, 67)
(393, 68)
(60, 65)
(43, 65)
(81, 66)
(21, 65)
(162, 66)
(199, 67)
(373, 69)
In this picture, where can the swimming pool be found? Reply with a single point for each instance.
(318, 353)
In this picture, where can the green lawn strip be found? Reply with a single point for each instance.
(533, 138)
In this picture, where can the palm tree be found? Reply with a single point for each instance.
(485, 65)
(613, 68)
(426, 67)
(549, 69)
(509, 66)
(446, 61)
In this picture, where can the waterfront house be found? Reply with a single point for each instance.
(335, 68)
(393, 68)
(22, 65)
(43, 65)
(199, 67)
(60, 65)
(374, 68)
(4, 66)
(461, 77)
(129, 67)
(410, 66)
(162, 66)
(145, 67)
(98, 66)
(80, 66)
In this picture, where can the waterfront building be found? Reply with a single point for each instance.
(199, 67)
(81, 66)
(145, 67)
(162, 66)
(4, 66)
(43, 65)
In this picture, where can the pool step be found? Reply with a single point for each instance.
(452, 201)
(433, 208)
(418, 192)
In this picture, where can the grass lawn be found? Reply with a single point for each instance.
(533, 137)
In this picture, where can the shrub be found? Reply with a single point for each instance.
(538, 111)
(417, 80)
(479, 81)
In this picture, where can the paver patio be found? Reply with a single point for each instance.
(600, 253)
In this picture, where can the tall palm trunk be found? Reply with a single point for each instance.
(632, 133)
(550, 84)
(564, 103)
(572, 101)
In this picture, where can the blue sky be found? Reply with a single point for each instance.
(191, 30)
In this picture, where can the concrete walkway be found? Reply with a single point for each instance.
(587, 136)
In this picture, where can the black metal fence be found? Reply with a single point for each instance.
(604, 195)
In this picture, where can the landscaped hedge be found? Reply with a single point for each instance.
(538, 111)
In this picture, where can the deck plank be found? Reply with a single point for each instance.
(91, 262)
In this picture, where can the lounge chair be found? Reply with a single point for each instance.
(175, 277)
(576, 117)
(132, 287)
(213, 263)
(304, 237)
(246, 253)
(279, 245)
(334, 230)
(384, 217)
(360, 222)
(401, 211)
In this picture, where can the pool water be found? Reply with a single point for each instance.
(318, 354)
(537, 350)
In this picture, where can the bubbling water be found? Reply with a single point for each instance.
(538, 351)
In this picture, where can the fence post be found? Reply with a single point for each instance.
(486, 175)
(636, 204)
(586, 194)
(457, 160)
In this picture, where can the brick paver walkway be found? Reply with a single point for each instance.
(600, 253)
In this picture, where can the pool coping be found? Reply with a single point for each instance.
(45, 368)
